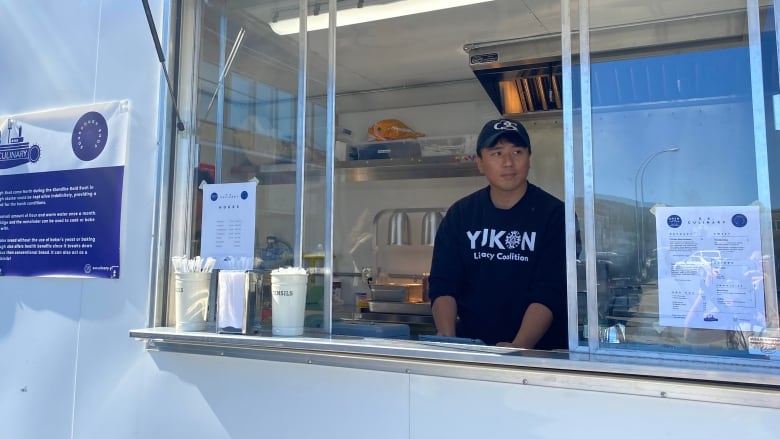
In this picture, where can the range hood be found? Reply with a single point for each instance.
(525, 75)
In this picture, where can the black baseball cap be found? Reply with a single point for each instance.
(512, 130)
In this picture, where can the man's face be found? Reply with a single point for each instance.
(505, 166)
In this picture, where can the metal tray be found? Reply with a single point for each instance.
(423, 309)
(388, 293)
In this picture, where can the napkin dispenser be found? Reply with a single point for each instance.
(238, 299)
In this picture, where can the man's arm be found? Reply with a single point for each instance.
(536, 321)
(445, 311)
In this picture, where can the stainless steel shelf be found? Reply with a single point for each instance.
(368, 170)
(406, 168)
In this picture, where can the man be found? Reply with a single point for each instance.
(499, 268)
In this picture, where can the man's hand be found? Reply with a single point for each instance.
(445, 311)
(536, 321)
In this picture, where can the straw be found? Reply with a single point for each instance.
(181, 264)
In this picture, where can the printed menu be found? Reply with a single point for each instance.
(228, 226)
(710, 268)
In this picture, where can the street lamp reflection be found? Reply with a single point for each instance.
(639, 205)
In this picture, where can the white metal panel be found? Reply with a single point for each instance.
(212, 397)
(64, 73)
(38, 328)
(469, 409)
(68, 336)
(40, 317)
(126, 67)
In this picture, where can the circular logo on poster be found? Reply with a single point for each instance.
(214, 196)
(739, 220)
(87, 268)
(244, 195)
(89, 136)
(35, 153)
(674, 221)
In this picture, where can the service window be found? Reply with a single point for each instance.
(654, 125)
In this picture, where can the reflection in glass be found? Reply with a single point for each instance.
(693, 100)
(639, 197)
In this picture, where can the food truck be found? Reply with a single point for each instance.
(166, 165)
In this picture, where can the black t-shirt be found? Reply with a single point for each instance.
(496, 262)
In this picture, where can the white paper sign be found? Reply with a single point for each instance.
(710, 272)
(228, 224)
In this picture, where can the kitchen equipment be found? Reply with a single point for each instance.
(400, 308)
(277, 253)
(314, 262)
(391, 149)
(430, 224)
(361, 301)
(414, 290)
(526, 74)
(389, 293)
(398, 232)
(425, 286)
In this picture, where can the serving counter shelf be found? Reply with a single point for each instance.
(367, 170)
(750, 384)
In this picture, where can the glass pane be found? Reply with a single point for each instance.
(581, 237)
(248, 129)
(314, 195)
(409, 74)
(671, 98)
(246, 126)
(409, 106)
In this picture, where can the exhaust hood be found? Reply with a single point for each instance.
(525, 75)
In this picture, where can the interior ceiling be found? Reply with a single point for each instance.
(428, 48)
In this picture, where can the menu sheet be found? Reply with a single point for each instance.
(228, 226)
(710, 270)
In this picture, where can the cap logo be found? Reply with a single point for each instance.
(505, 125)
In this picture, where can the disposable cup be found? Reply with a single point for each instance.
(192, 296)
(288, 305)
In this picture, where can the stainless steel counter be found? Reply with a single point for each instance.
(687, 379)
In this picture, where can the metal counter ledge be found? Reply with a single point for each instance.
(687, 379)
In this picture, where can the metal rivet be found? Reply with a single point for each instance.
(525, 381)
(308, 361)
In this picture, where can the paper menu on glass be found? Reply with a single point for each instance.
(710, 272)
(228, 224)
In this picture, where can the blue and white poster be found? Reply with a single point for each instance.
(61, 176)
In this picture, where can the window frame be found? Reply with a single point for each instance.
(383, 354)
